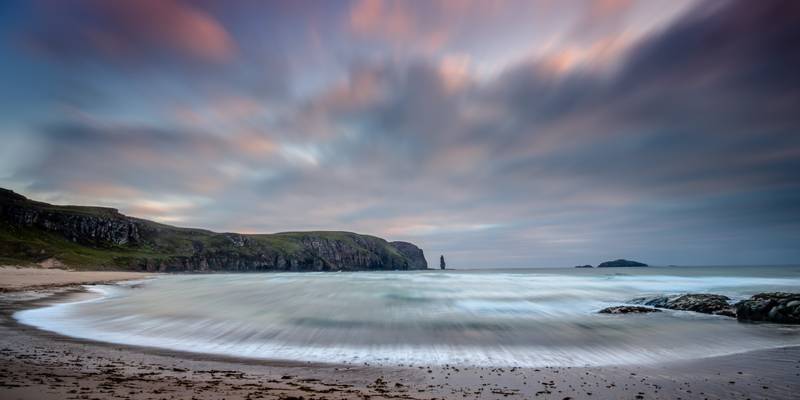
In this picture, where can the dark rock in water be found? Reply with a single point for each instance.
(584, 266)
(702, 303)
(727, 312)
(657, 301)
(628, 310)
(783, 308)
(698, 302)
(621, 263)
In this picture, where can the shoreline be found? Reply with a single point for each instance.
(43, 365)
(210, 375)
(68, 294)
(30, 279)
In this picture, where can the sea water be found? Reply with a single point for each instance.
(541, 317)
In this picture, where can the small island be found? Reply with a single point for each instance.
(584, 266)
(621, 263)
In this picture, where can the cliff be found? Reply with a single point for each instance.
(97, 237)
(413, 253)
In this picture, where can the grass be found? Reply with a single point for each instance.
(26, 245)
(21, 245)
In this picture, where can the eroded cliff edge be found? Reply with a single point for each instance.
(96, 237)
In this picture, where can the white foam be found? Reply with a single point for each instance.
(413, 319)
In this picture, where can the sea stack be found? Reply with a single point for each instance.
(442, 264)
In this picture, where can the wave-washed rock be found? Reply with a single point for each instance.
(783, 308)
(698, 302)
(777, 307)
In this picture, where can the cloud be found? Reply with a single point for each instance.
(685, 151)
(130, 30)
(708, 123)
(396, 21)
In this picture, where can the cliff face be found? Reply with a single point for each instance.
(108, 227)
(102, 237)
(413, 253)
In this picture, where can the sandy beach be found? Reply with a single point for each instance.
(25, 278)
(41, 365)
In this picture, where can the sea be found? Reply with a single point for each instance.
(490, 317)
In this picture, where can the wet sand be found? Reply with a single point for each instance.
(40, 365)
(26, 278)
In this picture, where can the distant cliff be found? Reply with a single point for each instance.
(97, 237)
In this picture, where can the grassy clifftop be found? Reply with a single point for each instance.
(103, 238)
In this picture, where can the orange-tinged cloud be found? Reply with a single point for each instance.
(605, 8)
(140, 28)
(398, 21)
(379, 16)
(181, 26)
(225, 110)
(602, 53)
(197, 33)
(104, 190)
(455, 71)
(254, 144)
(363, 87)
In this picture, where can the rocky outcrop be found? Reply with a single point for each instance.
(94, 225)
(103, 237)
(783, 308)
(698, 302)
(413, 253)
(314, 253)
(628, 310)
(777, 307)
(584, 266)
(621, 263)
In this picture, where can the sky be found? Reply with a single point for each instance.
(532, 133)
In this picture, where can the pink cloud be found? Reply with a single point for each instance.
(455, 71)
(182, 27)
(400, 22)
(138, 28)
(378, 16)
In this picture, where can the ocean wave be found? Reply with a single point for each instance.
(491, 319)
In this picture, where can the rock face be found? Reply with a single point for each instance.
(413, 253)
(628, 310)
(783, 308)
(94, 226)
(698, 302)
(102, 237)
(621, 263)
(584, 266)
